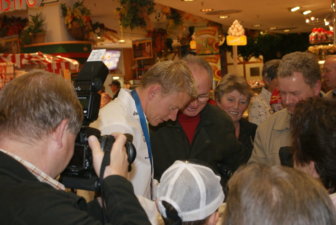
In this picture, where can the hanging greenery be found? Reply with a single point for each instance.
(133, 13)
(77, 19)
(175, 16)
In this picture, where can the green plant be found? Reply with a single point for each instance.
(175, 16)
(77, 20)
(35, 25)
(133, 13)
(78, 13)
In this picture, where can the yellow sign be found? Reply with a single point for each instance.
(233, 40)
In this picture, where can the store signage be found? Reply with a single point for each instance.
(11, 5)
(236, 40)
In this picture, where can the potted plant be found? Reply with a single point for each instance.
(77, 20)
(34, 32)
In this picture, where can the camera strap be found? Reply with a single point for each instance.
(145, 132)
(107, 146)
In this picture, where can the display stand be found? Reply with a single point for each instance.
(78, 50)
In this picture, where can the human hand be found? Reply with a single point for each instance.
(118, 157)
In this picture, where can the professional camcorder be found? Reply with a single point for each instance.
(80, 173)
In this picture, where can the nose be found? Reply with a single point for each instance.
(193, 103)
(286, 99)
(173, 114)
(236, 104)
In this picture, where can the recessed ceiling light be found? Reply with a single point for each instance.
(307, 20)
(306, 12)
(273, 28)
(294, 9)
(286, 30)
(312, 18)
(223, 17)
(205, 10)
(121, 41)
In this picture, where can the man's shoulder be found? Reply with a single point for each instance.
(213, 113)
(277, 121)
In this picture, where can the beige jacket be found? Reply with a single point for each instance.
(270, 136)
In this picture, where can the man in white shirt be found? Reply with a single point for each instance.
(165, 89)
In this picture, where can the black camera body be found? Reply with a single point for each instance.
(80, 173)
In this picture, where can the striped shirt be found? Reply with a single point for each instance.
(39, 174)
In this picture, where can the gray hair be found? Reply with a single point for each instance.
(192, 60)
(276, 195)
(34, 104)
(270, 69)
(301, 62)
(173, 76)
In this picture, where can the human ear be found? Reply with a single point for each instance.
(154, 90)
(317, 88)
(312, 169)
(213, 218)
(59, 132)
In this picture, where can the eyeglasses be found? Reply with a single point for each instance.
(202, 98)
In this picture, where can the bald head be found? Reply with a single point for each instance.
(329, 72)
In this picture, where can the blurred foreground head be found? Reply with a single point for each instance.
(276, 195)
(313, 127)
(34, 104)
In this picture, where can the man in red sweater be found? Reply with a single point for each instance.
(202, 131)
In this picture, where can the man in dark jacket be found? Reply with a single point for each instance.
(202, 131)
(40, 117)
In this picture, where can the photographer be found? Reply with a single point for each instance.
(40, 117)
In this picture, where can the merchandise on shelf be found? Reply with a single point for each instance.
(321, 36)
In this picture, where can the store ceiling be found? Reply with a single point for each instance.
(267, 14)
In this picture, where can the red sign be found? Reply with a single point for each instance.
(10, 5)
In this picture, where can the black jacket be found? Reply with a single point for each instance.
(246, 137)
(214, 143)
(25, 200)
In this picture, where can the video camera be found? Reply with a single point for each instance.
(80, 173)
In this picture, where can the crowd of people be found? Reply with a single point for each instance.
(196, 162)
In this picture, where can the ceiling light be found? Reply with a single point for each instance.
(294, 9)
(306, 12)
(307, 20)
(273, 28)
(223, 17)
(257, 25)
(121, 41)
(286, 30)
(312, 18)
(206, 10)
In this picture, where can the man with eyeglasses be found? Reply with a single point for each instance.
(201, 132)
